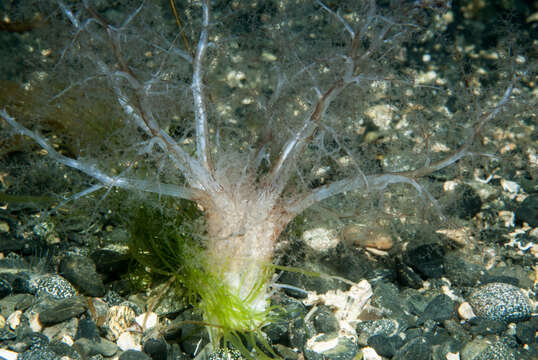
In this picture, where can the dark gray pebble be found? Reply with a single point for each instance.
(80, 271)
(61, 310)
(439, 309)
(134, 355)
(416, 348)
(87, 347)
(526, 331)
(5, 288)
(385, 346)
(427, 260)
(156, 348)
(87, 329)
(528, 211)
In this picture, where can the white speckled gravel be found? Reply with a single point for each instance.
(500, 301)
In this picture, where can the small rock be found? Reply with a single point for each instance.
(324, 320)
(320, 239)
(129, 341)
(498, 351)
(87, 329)
(483, 349)
(465, 311)
(89, 347)
(35, 323)
(147, 320)
(64, 350)
(528, 211)
(5, 288)
(134, 355)
(110, 263)
(14, 319)
(484, 327)
(330, 346)
(369, 353)
(156, 348)
(62, 310)
(363, 236)
(526, 331)
(39, 354)
(286, 352)
(427, 260)
(417, 348)
(464, 202)
(80, 271)
(500, 301)
(441, 308)
(461, 272)
(15, 302)
(385, 327)
(51, 285)
(118, 319)
(64, 332)
(385, 346)
(35, 341)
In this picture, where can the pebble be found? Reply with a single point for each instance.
(156, 348)
(500, 301)
(464, 202)
(363, 236)
(39, 354)
(118, 319)
(330, 346)
(14, 319)
(63, 332)
(483, 349)
(134, 355)
(528, 211)
(369, 354)
(51, 285)
(5, 288)
(61, 310)
(89, 347)
(426, 259)
(441, 308)
(34, 322)
(320, 239)
(80, 271)
(465, 311)
(87, 329)
(147, 320)
(129, 341)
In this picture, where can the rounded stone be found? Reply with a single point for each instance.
(51, 285)
(528, 211)
(501, 302)
(81, 271)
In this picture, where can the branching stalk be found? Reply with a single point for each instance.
(203, 150)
